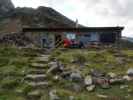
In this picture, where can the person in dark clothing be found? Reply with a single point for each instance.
(81, 44)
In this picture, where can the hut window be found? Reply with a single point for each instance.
(71, 36)
(87, 35)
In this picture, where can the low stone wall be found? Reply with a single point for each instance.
(17, 39)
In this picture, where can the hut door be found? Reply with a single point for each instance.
(44, 43)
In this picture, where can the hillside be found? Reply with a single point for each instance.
(42, 16)
(126, 42)
(104, 73)
(6, 6)
(13, 19)
(71, 76)
(128, 39)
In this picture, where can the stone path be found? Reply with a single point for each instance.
(36, 77)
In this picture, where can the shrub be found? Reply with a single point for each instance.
(9, 83)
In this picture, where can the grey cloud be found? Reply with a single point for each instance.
(117, 8)
(116, 11)
(110, 12)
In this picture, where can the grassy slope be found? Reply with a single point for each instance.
(103, 60)
(14, 65)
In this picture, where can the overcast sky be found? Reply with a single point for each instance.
(92, 13)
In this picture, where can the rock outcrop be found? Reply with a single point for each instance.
(41, 17)
(5, 7)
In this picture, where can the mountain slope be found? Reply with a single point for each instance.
(42, 16)
(128, 39)
(126, 42)
(13, 19)
(6, 6)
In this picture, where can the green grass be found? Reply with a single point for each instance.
(103, 60)
(99, 59)
(10, 95)
(14, 64)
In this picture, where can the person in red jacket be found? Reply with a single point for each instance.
(67, 43)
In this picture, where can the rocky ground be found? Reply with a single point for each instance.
(17, 39)
(67, 74)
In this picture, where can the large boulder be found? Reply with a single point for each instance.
(90, 88)
(76, 77)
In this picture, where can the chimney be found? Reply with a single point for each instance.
(77, 23)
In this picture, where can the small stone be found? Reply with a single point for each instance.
(53, 95)
(120, 60)
(117, 81)
(73, 61)
(76, 76)
(129, 90)
(71, 97)
(88, 80)
(34, 93)
(97, 73)
(20, 91)
(56, 78)
(102, 96)
(54, 70)
(53, 63)
(23, 71)
(90, 88)
(123, 86)
(130, 72)
(55, 67)
(42, 58)
(112, 75)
